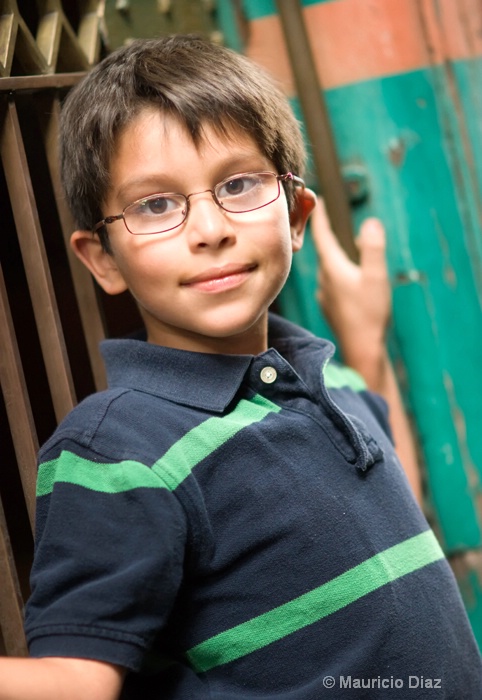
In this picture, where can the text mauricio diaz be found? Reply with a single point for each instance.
(390, 682)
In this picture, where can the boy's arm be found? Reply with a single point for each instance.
(59, 679)
(356, 303)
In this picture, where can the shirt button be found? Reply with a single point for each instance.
(268, 375)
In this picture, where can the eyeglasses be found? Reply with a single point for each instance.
(165, 211)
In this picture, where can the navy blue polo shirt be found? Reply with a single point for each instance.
(237, 527)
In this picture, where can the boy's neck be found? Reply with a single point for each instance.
(253, 341)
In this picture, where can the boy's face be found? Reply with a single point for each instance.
(206, 285)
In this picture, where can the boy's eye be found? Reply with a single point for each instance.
(156, 206)
(238, 186)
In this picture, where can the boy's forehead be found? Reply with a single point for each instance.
(155, 151)
(210, 135)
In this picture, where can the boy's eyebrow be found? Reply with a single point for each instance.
(152, 183)
(148, 184)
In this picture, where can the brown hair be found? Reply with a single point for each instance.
(194, 80)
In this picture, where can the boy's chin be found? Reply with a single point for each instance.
(225, 335)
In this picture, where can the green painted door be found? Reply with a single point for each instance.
(402, 84)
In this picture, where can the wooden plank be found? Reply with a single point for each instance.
(11, 618)
(453, 31)
(36, 264)
(17, 403)
(87, 299)
(325, 157)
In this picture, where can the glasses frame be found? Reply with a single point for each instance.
(287, 177)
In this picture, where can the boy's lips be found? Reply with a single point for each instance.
(220, 278)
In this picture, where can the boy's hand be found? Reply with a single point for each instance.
(356, 301)
(59, 679)
(355, 298)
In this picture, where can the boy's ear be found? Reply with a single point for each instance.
(305, 202)
(101, 264)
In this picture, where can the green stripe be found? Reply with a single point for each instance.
(387, 566)
(337, 377)
(200, 442)
(169, 471)
(105, 478)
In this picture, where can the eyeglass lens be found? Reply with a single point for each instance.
(163, 212)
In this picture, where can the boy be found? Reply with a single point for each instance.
(228, 520)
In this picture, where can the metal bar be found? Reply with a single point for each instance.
(36, 264)
(87, 299)
(49, 33)
(40, 82)
(317, 122)
(11, 618)
(17, 403)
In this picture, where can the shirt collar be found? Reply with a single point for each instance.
(180, 375)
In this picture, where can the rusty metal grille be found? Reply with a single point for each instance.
(43, 37)
(45, 47)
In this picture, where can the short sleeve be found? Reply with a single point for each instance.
(108, 561)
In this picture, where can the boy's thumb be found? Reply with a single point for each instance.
(371, 243)
(325, 241)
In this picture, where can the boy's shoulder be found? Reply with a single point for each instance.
(82, 423)
(155, 395)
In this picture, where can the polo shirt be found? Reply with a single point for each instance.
(239, 527)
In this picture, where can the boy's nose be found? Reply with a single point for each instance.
(207, 224)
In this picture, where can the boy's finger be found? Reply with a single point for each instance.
(325, 241)
(371, 244)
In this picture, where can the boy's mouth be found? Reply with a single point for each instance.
(220, 278)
